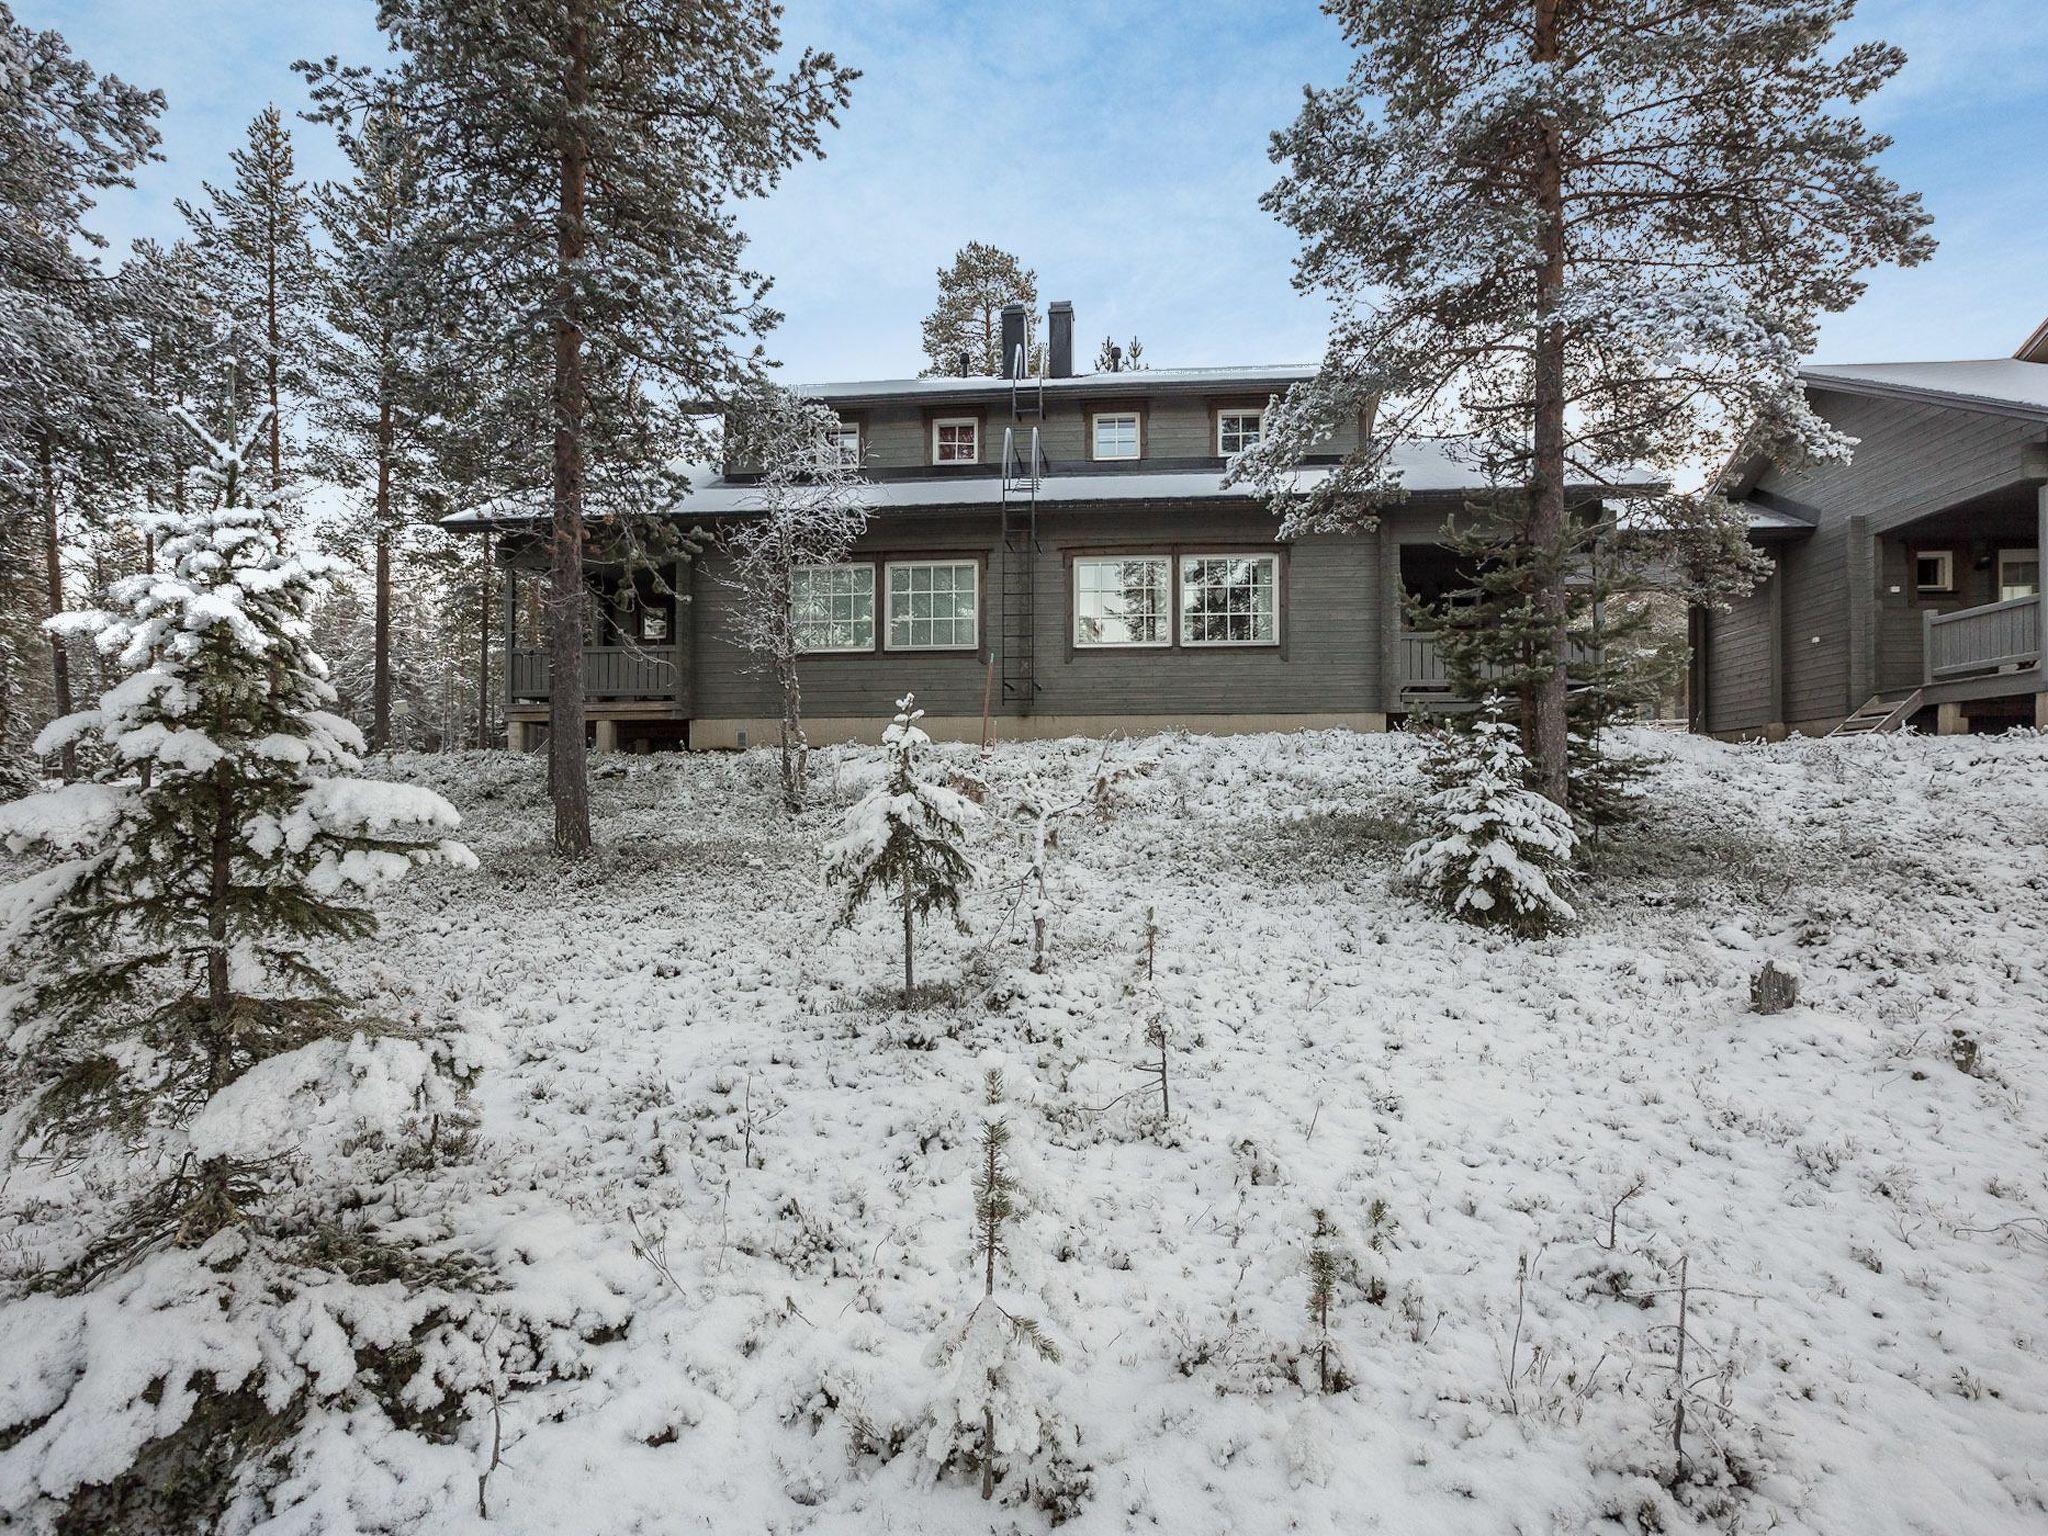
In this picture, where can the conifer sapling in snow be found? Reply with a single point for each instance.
(164, 940)
(904, 839)
(995, 1408)
(1496, 852)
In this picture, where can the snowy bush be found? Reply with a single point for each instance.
(179, 1062)
(1494, 851)
(904, 839)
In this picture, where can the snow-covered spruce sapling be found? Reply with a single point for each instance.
(905, 839)
(164, 941)
(1322, 1268)
(994, 1408)
(1494, 852)
(1043, 809)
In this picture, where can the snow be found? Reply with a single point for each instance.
(1999, 380)
(727, 1184)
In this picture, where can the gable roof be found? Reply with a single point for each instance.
(1250, 379)
(2004, 386)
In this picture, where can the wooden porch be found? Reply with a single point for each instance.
(1985, 641)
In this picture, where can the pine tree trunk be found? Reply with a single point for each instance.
(1544, 728)
(60, 660)
(273, 334)
(795, 750)
(483, 649)
(214, 1205)
(380, 663)
(568, 778)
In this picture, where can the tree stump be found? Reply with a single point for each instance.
(1773, 990)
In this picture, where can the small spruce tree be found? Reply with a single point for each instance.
(994, 1409)
(164, 942)
(905, 838)
(1494, 851)
(1323, 1265)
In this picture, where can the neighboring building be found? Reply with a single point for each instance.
(1905, 584)
(1060, 552)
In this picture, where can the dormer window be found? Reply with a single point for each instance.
(1238, 430)
(1116, 435)
(956, 440)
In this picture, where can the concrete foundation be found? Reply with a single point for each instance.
(725, 735)
(518, 736)
(605, 734)
(1951, 721)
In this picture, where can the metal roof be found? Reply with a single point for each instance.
(2001, 385)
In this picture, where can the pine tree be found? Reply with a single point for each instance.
(66, 134)
(811, 506)
(1111, 358)
(256, 237)
(1571, 237)
(1323, 1266)
(166, 939)
(994, 1409)
(587, 153)
(381, 379)
(967, 319)
(1494, 851)
(904, 840)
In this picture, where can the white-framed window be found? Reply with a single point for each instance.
(1230, 600)
(956, 440)
(1122, 600)
(1238, 430)
(1934, 570)
(1116, 435)
(843, 443)
(934, 605)
(834, 609)
(2019, 573)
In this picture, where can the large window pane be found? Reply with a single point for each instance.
(932, 605)
(1121, 600)
(835, 608)
(1230, 600)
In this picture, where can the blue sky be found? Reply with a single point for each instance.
(1118, 146)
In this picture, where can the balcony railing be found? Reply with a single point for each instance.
(609, 672)
(1998, 637)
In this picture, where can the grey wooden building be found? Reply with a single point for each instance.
(1905, 584)
(1059, 552)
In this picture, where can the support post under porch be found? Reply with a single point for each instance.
(1951, 721)
(518, 736)
(606, 733)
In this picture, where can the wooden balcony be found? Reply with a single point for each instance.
(610, 672)
(1983, 641)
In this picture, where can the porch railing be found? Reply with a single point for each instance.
(1423, 673)
(1994, 638)
(609, 672)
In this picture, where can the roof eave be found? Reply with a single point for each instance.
(1884, 389)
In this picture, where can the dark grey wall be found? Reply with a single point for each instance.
(1328, 660)
(1738, 664)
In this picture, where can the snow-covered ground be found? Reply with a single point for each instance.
(731, 1181)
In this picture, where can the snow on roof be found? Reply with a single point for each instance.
(1998, 383)
(1259, 376)
(1423, 467)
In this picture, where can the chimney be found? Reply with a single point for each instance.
(1060, 339)
(1013, 341)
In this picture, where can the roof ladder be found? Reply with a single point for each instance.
(1027, 395)
(1024, 467)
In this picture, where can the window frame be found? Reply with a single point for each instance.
(835, 442)
(884, 622)
(1168, 623)
(973, 425)
(2018, 556)
(874, 619)
(1181, 562)
(1947, 566)
(1238, 410)
(1095, 421)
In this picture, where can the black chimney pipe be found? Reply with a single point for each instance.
(1013, 342)
(1059, 317)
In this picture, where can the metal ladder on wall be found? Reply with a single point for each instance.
(1024, 467)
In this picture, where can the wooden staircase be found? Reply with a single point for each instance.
(1880, 712)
